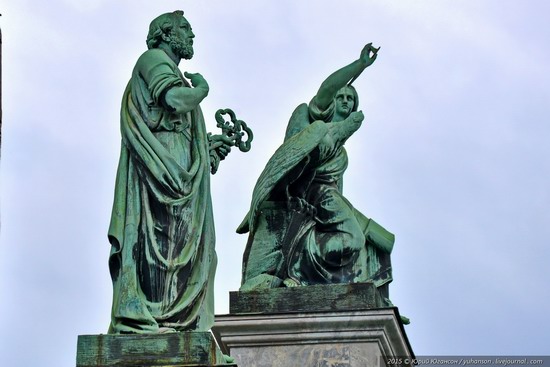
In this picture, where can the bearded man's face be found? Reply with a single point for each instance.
(181, 39)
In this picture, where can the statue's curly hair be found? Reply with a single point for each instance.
(162, 24)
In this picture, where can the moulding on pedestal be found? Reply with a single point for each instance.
(313, 339)
(321, 326)
(148, 350)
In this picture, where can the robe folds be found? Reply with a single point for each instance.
(331, 242)
(162, 259)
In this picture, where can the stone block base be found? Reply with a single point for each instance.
(324, 339)
(346, 330)
(148, 350)
(341, 297)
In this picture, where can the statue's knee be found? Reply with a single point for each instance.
(342, 247)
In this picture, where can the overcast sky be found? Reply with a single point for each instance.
(453, 156)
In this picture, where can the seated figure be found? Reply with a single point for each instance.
(302, 230)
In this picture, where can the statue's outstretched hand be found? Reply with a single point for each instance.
(197, 80)
(368, 54)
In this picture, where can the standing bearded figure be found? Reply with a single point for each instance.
(162, 259)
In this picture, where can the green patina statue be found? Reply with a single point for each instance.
(303, 231)
(162, 259)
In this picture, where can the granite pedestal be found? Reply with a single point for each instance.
(348, 329)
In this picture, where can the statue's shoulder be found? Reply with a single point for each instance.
(153, 57)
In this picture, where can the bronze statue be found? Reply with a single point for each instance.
(303, 231)
(162, 259)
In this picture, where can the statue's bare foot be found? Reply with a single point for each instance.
(166, 330)
(290, 283)
(228, 359)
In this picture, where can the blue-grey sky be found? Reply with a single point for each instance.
(453, 155)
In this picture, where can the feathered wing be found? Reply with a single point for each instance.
(286, 157)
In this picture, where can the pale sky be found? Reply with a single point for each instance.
(452, 157)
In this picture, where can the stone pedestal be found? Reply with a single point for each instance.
(148, 350)
(282, 334)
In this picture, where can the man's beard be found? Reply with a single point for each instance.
(182, 48)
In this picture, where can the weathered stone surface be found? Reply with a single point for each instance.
(337, 338)
(321, 355)
(144, 350)
(342, 297)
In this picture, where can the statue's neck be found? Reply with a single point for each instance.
(166, 48)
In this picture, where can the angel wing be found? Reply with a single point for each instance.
(301, 139)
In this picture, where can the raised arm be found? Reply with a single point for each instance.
(183, 99)
(341, 77)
